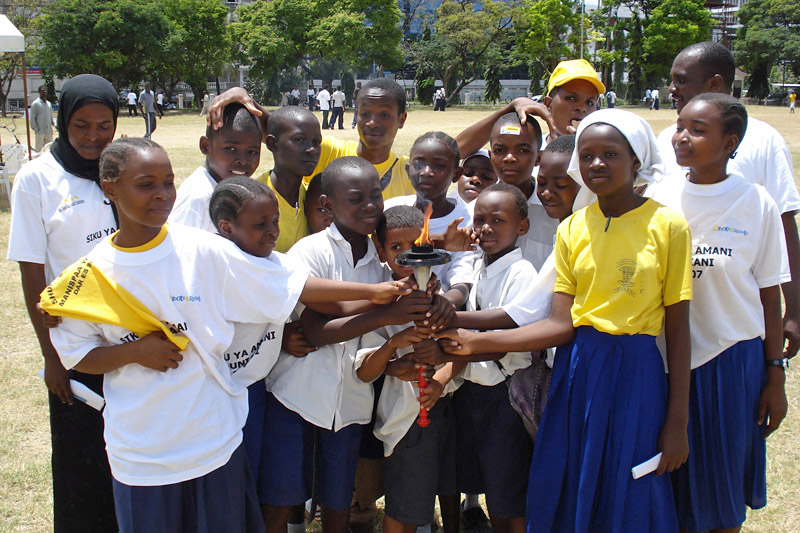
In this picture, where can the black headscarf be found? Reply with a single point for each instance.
(79, 91)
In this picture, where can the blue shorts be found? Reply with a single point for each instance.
(494, 449)
(253, 431)
(222, 500)
(287, 459)
(422, 465)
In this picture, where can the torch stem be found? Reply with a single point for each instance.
(422, 274)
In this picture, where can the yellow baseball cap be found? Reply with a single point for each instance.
(574, 69)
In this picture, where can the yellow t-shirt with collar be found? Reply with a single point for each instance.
(623, 272)
(292, 222)
(393, 169)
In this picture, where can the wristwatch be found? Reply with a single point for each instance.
(783, 362)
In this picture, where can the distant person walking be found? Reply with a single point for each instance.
(792, 100)
(295, 96)
(324, 99)
(147, 105)
(132, 99)
(440, 103)
(160, 103)
(310, 95)
(611, 98)
(338, 98)
(42, 119)
(206, 102)
(655, 103)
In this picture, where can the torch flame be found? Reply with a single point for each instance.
(423, 237)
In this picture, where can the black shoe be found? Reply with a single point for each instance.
(474, 520)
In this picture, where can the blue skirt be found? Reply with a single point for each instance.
(727, 468)
(606, 407)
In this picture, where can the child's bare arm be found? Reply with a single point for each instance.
(772, 406)
(232, 96)
(456, 239)
(458, 294)
(375, 363)
(674, 438)
(485, 319)
(431, 394)
(441, 315)
(322, 329)
(327, 290)
(791, 289)
(152, 351)
(554, 330)
(294, 341)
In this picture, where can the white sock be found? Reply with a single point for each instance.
(424, 529)
(470, 501)
(296, 528)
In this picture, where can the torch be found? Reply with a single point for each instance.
(422, 257)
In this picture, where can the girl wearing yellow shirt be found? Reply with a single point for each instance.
(623, 270)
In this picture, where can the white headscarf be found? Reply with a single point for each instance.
(639, 135)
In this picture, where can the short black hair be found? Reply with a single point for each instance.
(314, 185)
(116, 157)
(513, 119)
(443, 138)
(734, 114)
(562, 144)
(236, 115)
(399, 216)
(231, 194)
(713, 58)
(519, 198)
(41, 87)
(391, 87)
(333, 173)
(283, 115)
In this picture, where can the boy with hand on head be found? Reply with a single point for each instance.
(293, 137)
(232, 150)
(320, 393)
(419, 462)
(494, 448)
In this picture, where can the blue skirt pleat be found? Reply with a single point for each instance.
(605, 410)
(726, 470)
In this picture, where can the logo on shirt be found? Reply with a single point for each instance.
(68, 202)
(185, 298)
(729, 229)
(627, 267)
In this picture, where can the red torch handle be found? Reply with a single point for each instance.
(423, 413)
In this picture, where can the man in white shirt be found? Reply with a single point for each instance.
(338, 108)
(42, 119)
(324, 99)
(440, 102)
(132, 99)
(654, 95)
(147, 104)
(762, 158)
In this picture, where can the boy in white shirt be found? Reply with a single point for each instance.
(338, 98)
(420, 462)
(324, 99)
(233, 150)
(494, 450)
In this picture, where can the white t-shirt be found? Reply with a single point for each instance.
(494, 286)
(654, 94)
(762, 158)
(322, 387)
(338, 99)
(132, 98)
(738, 247)
(324, 98)
(193, 200)
(538, 243)
(310, 92)
(56, 217)
(160, 98)
(167, 427)
(459, 269)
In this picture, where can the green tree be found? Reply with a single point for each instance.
(768, 35)
(634, 91)
(552, 32)
(467, 34)
(285, 33)
(493, 89)
(116, 39)
(672, 26)
(196, 46)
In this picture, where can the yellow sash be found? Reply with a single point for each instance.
(82, 291)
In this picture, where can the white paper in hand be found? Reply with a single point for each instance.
(83, 393)
(646, 467)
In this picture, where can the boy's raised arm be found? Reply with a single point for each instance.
(231, 96)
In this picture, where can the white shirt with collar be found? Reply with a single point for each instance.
(322, 387)
(538, 243)
(761, 158)
(324, 99)
(494, 286)
(193, 200)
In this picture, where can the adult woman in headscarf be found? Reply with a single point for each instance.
(58, 215)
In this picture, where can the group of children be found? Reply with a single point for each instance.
(290, 356)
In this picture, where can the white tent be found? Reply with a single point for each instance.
(11, 40)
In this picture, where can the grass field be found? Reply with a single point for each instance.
(25, 491)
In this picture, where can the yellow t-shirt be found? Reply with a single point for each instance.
(623, 272)
(292, 223)
(393, 169)
(792, 97)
